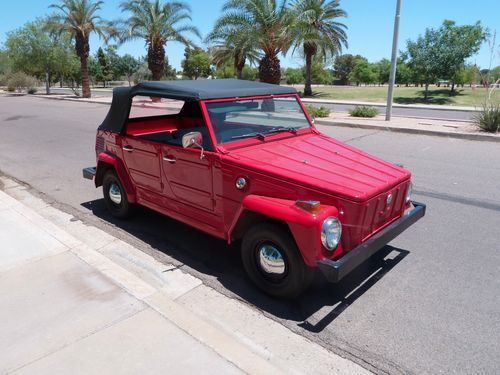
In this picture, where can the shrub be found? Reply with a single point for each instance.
(488, 119)
(318, 111)
(20, 81)
(363, 111)
(32, 90)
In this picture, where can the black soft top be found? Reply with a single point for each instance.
(186, 90)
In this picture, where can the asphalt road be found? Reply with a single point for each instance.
(448, 114)
(428, 304)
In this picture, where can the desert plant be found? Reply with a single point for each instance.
(363, 111)
(488, 119)
(318, 111)
(20, 81)
(32, 90)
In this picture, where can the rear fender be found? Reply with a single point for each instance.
(106, 161)
(304, 226)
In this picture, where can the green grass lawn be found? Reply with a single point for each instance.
(407, 95)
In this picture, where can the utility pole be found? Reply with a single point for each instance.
(394, 59)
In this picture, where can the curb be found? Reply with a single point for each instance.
(468, 136)
(404, 106)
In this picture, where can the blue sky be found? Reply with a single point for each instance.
(370, 23)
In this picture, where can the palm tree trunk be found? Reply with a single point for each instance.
(85, 77)
(156, 60)
(307, 86)
(270, 69)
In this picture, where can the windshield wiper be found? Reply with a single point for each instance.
(248, 135)
(262, 136)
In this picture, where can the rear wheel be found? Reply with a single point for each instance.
(273, 262)
(115, 196)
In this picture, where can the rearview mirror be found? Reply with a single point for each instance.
(193, 140)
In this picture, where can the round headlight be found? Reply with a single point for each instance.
(331, 232)
(408, 193)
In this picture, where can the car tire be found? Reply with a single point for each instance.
(273, 262)
(115, 196)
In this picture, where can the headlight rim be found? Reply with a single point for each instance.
(324, 235)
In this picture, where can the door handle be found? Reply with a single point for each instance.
(128, 148)
(169, 159)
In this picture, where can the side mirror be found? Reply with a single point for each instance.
(193, 140)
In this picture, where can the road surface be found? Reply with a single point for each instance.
(428, 304)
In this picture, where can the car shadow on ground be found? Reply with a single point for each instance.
(219, 263)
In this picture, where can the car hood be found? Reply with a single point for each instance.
(322, 163)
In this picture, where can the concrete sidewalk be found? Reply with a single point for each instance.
(77, 300)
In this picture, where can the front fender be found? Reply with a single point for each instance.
(105, 161)
(304, 226)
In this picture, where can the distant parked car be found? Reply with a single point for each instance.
(243, 161)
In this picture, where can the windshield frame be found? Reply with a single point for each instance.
(242, 142)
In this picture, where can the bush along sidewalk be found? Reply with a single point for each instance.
(488, 119)
(317, 111)
(363, 111)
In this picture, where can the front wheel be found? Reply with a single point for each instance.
(273, 262)
(115, 196)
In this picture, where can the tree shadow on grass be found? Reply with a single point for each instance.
(439, 96)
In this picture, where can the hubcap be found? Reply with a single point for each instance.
(115, 193)
(271, 260)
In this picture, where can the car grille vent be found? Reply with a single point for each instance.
(99, 145)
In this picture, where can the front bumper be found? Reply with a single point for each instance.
(89, 173)
(335, 270)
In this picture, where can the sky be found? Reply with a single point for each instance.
(370, 24)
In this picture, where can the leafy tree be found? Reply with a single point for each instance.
(403, 73)
(441, 53)
(157, 24)
(105, 73)
(196, 63)
(384, 69)
(5, 63)
(38, 52)
(267, 24)
(458, 43)
(294, 76)
(364, 72)
(94, 68)
(343, 66)
(127, 65)
(249, 73)
(169, 72)
(80, 19)
(316, 30)
(471, 73)
(225, 71)
(319, 75)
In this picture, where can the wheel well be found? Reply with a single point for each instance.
(102, 168)
(248, 219)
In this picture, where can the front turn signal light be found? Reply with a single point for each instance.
(313, 207)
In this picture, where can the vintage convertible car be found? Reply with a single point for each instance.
(243, 161)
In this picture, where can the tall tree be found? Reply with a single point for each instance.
(343, 66)
(37, 52)
(106, 73)
(157, 24)
(80, 18)
(196, 63)
(316, 31)
(267, 24)
(232, 46)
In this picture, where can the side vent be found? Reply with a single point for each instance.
(99, 145)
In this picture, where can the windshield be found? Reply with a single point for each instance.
(257, 118)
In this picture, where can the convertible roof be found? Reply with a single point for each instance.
(209, 89)
(186, 90)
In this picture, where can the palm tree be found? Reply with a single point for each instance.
(235, 47)
(157, 24)
(266, 23)
(317, 32)
(79, 18)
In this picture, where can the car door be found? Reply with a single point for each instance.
(187, 178)
(141, 158)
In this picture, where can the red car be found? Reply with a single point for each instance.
(243, 161)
